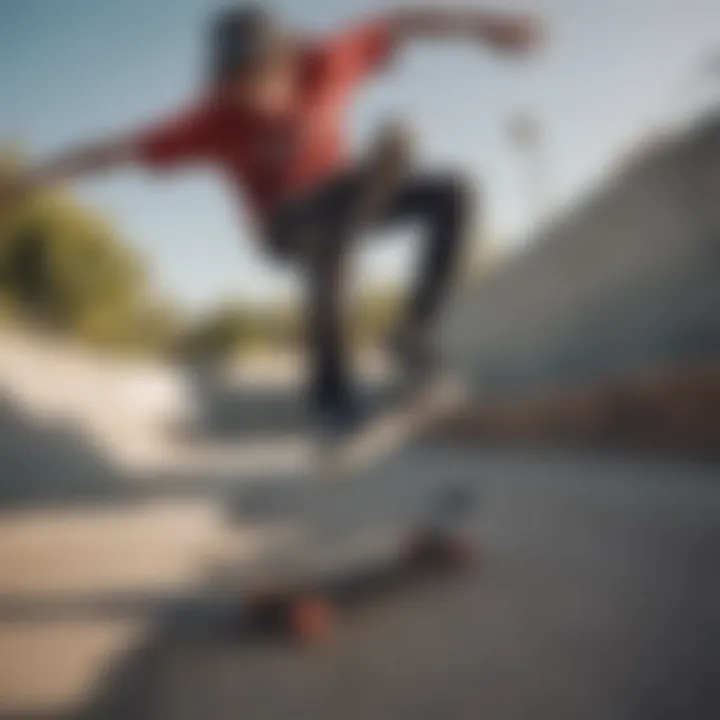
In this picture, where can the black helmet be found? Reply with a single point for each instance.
(242, 37)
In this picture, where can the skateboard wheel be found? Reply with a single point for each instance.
(302, 618)
(309, 619)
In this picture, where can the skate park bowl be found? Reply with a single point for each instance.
(591, 442)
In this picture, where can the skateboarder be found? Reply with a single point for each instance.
(270, 117)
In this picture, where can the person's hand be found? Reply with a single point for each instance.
(520, 34)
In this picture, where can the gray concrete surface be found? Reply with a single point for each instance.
(598, 598)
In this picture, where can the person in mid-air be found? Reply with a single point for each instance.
(271, 118)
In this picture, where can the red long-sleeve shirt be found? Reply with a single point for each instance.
(252, 152)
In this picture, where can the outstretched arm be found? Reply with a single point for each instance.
(93, 158)
(510, 32)
(184, 137)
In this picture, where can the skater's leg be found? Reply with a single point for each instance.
(314, 232)
(443, 206)
(329, 382)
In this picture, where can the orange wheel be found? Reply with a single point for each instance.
(309, 618)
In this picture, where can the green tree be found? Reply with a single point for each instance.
(63, 266)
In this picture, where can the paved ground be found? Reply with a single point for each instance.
(599, 598)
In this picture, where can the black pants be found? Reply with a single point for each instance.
(317, 231)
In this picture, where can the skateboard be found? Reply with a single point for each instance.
(352, 545)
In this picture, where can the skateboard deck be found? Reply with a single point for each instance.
(360, 520)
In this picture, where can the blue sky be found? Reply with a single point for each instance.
(76, 69)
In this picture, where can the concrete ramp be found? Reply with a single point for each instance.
(628, 280)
